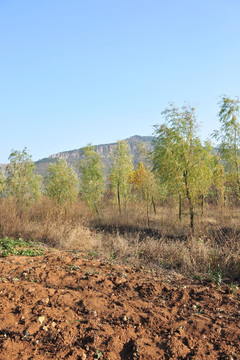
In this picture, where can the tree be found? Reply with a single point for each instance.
(144, 185)
(93, 182)
(2, 182)
(22, 184)
(120, 172)
(61, 182)
(229, 135)
(181, 162)
(219, 180)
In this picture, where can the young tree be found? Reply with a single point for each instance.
(61, 182)
(119, 173)
(2, 182)
(22, 184)
(179, 158)
(144, 185)
(219, 180)
(229, 135)
(93, 182)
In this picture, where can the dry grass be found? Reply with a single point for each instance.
(215, 244)
(44, 222)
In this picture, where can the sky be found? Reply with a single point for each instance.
(76, 72)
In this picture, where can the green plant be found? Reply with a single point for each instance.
(112, 257)
(120, 172)
(22, 183)
(92, 178)
(234, 288)
(92, 253)
(62, 183)
(98, 354)
(74, 268)
(9, 246)
(2, 182)
(216, 275)
(180, 160)
(229, 135)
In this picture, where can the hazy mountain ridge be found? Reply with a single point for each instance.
(105, 150)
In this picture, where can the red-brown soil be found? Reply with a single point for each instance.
(64, 306)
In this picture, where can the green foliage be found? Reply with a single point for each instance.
(61, 182)
(22, 183)
(229, 135)
(120, 172)
(216, 275)
(144, 186)
(10, 246)
(180, 160)
(2, 182)
(219, 179)
(93, 183)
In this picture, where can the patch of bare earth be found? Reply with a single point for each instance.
(63, 306)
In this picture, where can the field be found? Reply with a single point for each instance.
(110, 287)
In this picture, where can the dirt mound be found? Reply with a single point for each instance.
(64, 306)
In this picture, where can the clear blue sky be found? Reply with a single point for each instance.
(80, 71)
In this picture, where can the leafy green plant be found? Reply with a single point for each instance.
(22, 183)
(229, 135)
(119, 174)
(2, 182)
(74, 268)
(180, 160)
(93, 182)
(61, 182)
(9, 246)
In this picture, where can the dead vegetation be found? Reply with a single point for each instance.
(165, 245)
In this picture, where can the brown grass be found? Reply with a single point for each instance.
(215, 244)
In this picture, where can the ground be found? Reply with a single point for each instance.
(68, 306)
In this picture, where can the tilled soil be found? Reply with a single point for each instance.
(64, 306)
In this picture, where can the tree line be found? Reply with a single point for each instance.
(181, 166)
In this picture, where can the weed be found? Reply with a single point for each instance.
(9, 246)
(112, 257)
(98, 354)
(74, 268)
(234, 288)
(216, 275)
(92, 253)
(88, 272)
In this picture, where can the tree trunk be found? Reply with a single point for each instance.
(148, 220)
(96, 208)
(202, 204)
(154, 206)
(180, 207)
(118, 196)
(191, 207)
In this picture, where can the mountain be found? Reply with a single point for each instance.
(106, 151)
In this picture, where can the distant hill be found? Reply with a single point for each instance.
(106, 151)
